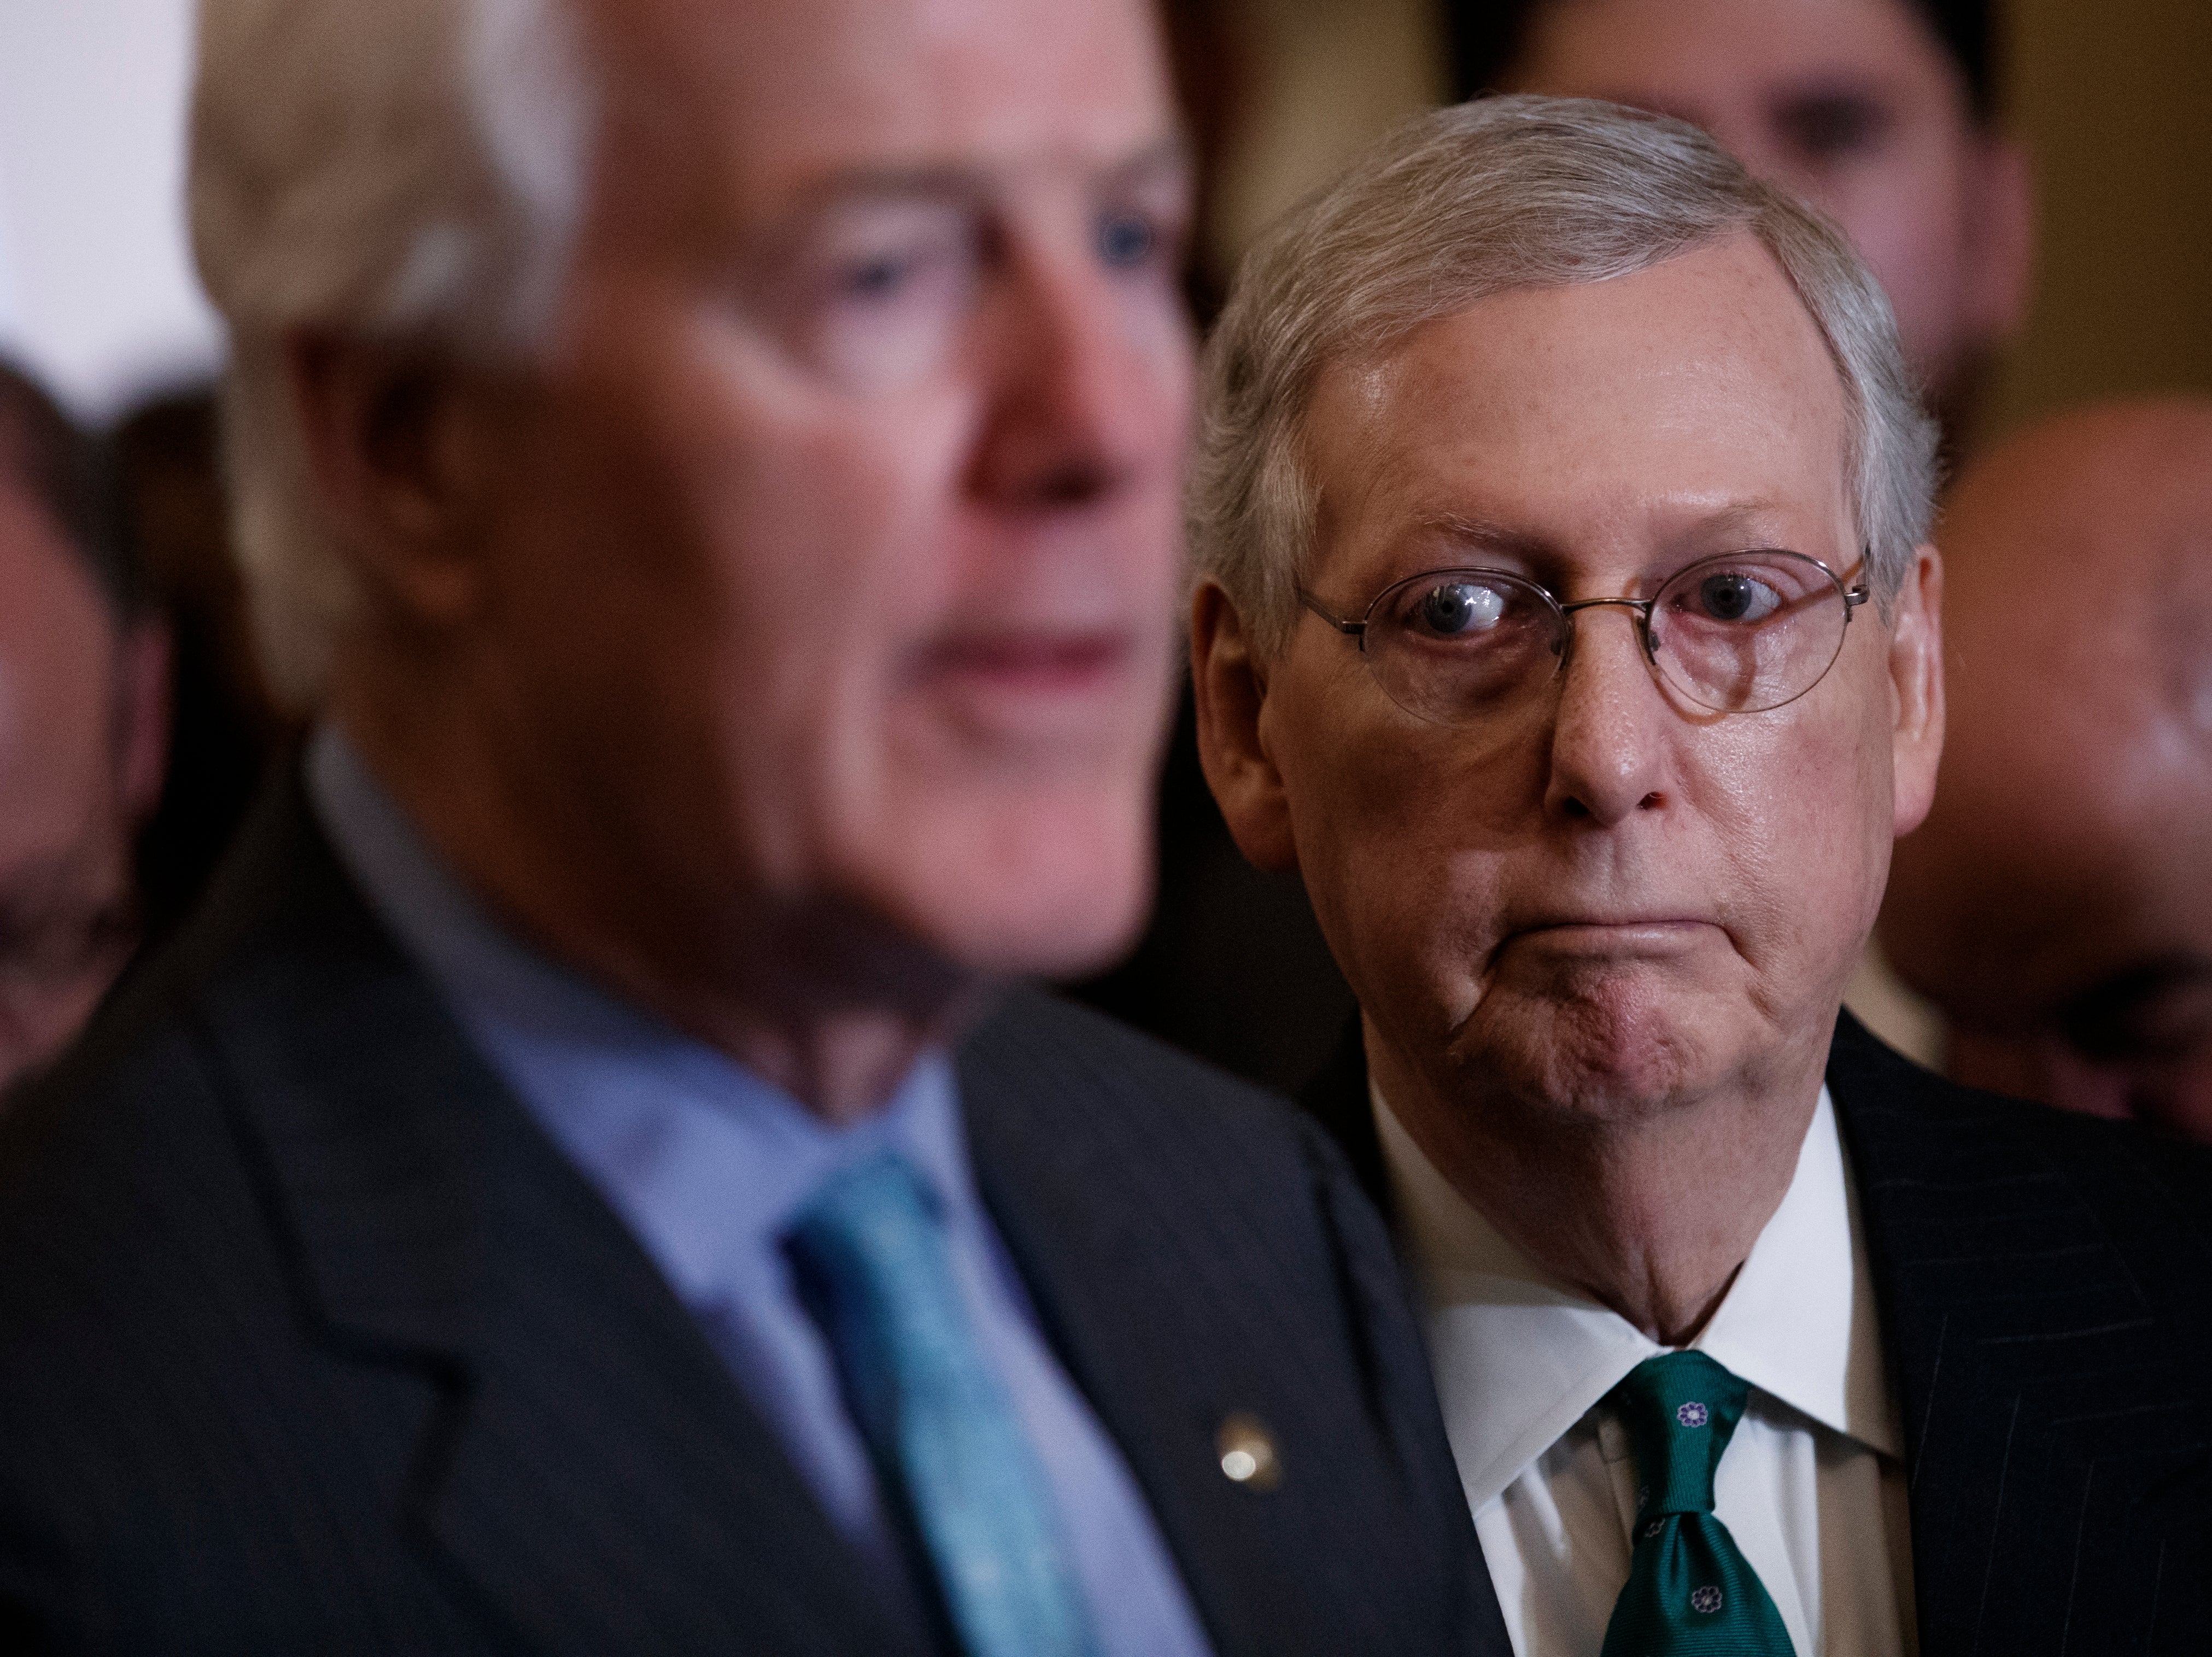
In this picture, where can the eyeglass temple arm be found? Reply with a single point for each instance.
(1350, 629)
(1858, 592)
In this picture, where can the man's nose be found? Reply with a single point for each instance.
(1091, 392)
(1608, 736)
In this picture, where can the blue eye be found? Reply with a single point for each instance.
(1125, 239)
(1462, 607)
(1737, 598)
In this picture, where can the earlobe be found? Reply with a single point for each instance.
(1230, 686)
(1915, 665)
(390, 462)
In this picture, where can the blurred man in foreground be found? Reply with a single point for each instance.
(1564, 618)
(2056, 905)
(716, 467)
(1880, 112)
(83, 733)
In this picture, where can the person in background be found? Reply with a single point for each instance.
(2056, 905)
(83, 730)
(586, 1180)
(1566, 619)
(1881, 113)
(166, 469)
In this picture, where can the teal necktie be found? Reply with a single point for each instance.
(1690, 1592)
(870, 1256)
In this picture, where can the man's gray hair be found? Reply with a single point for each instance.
(408, 170)
(1474, 200)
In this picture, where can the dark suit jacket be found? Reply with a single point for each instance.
(311, 1340)
(2046, 1288)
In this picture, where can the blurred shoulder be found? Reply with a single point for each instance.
(130, 1113)
(1038, 1038)
(1049, 1086)
(1906, 1125)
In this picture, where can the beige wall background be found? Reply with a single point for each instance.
(2114, 100)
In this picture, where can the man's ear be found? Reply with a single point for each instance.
(392, 436)
(1915, 674)
(2000, 241)
(1230, 689)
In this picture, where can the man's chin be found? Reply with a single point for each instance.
(1045, 893)
(1602, 1054)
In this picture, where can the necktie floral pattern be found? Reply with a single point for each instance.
(1690, 1592)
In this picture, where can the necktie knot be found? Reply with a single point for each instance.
(1680, 1410)
(1690, 1592)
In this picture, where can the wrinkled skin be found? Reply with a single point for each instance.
(2057, 904)
(1599, 947)
(790, 649)
(1854, 105)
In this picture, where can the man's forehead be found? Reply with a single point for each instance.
(781, 97)
(1709, 341)
(1636, 48)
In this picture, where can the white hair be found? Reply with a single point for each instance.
(412, 170)
(1474, 200)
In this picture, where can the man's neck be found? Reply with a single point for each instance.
(831, 1008)
(1650, 1212)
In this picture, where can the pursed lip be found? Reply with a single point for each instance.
(1614, 934)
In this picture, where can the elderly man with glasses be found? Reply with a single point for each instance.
(1565, 616)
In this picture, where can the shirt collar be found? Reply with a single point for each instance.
(659, 1121)
(1520, 1357)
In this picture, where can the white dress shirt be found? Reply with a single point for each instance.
(1812, 1486)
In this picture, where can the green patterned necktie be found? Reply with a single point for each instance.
(1690, 1592)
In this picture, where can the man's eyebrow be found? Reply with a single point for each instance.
(1753, 519)
(1168, 158)
(1831, 86)
(1456, 530)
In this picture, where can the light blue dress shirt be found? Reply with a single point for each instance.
(709, 1165)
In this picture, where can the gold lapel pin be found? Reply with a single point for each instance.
(1247, 1454)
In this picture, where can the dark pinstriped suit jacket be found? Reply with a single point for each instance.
(2046, 1288)
(311, 1342)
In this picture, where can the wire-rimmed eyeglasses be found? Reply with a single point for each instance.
(1741, 633)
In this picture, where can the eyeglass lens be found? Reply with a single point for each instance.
(1739, 633)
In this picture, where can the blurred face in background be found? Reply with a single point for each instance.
(2057, 904)
(1854, 105)
(823, 579)
(76, 772)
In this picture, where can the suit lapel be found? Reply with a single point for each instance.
(1338, 1099)
(1160, 1256)
(2046, 1345)
(588, 1472)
